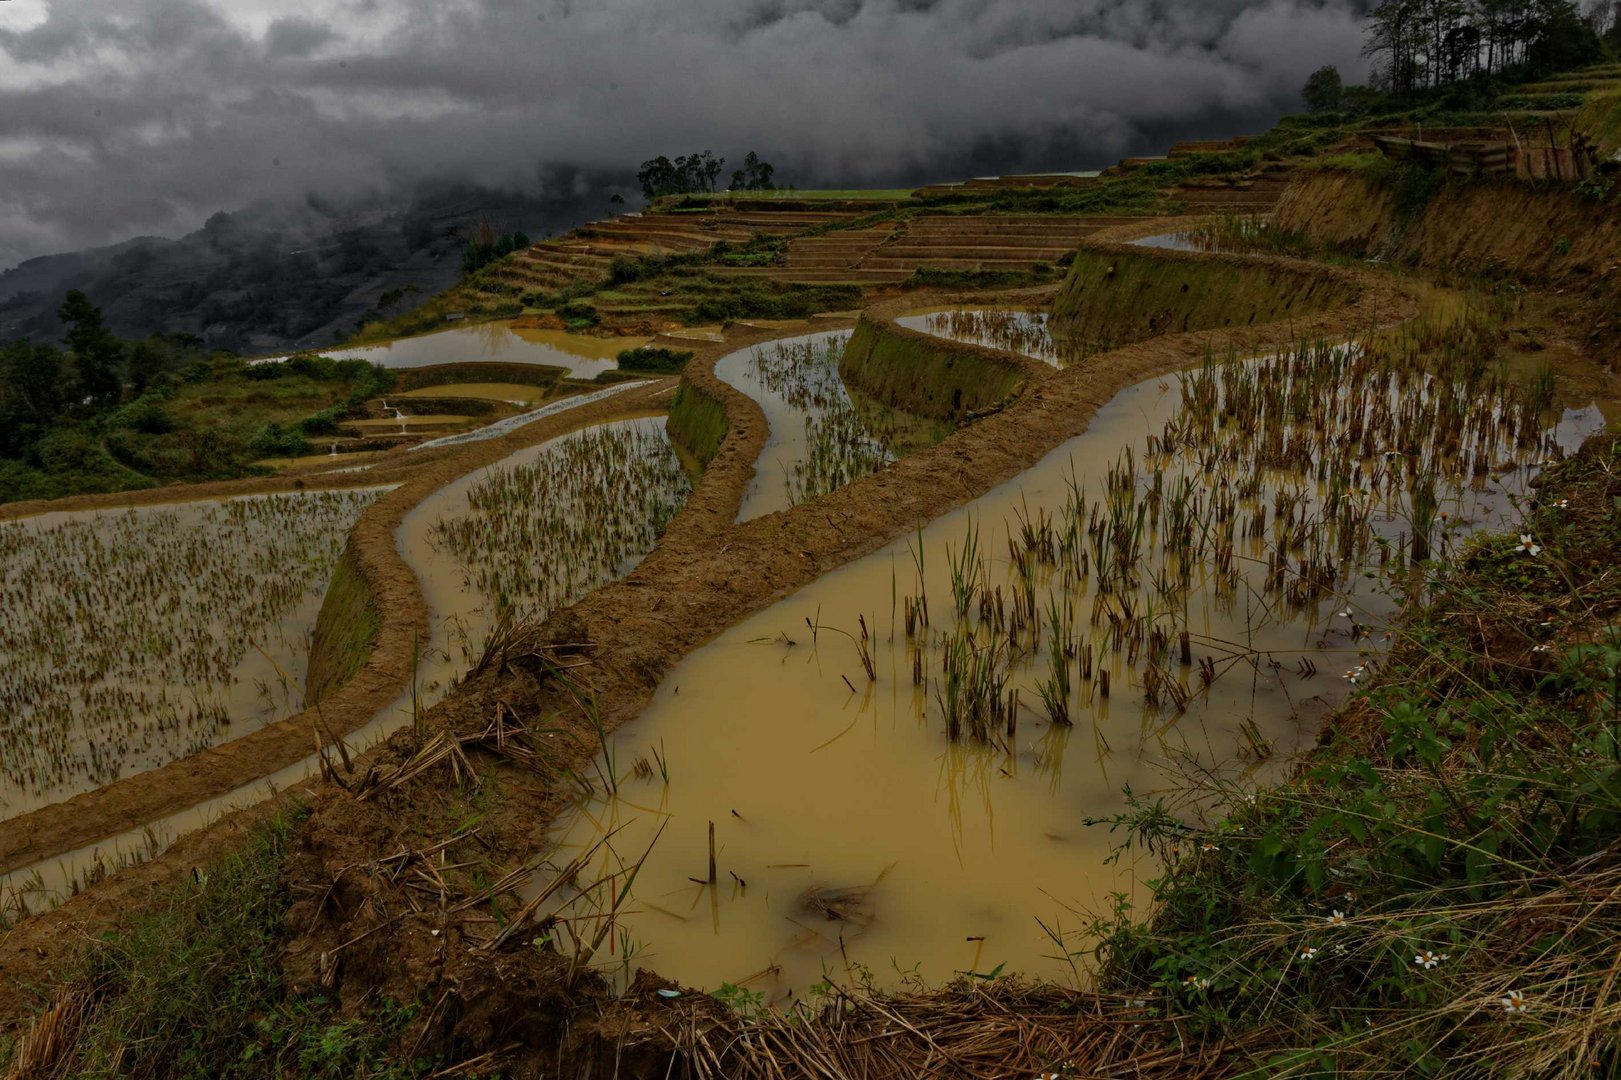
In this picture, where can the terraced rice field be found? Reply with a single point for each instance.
(513, 542)
(818, 442)
(129, 639)
(884, 778)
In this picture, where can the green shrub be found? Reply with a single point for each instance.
(579, 315)
(654, 359)
(146, 415)
(276, 440)
(1414, 185)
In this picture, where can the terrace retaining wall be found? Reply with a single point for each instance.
(931, 376)
(1542, 235)
(1118, 293)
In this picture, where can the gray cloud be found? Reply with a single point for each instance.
(123, 117)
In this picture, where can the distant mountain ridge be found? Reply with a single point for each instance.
(270, 278)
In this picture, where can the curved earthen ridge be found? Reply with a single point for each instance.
(705, 575)
(935, 377)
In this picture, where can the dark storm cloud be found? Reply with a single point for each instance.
(120, 117)
(295, 37)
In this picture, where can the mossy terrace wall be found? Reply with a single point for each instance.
(697, 423)
(1117, 294)
(1544, 234)
(345, 631)
(928, 376)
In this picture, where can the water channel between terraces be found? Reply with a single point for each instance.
(852, 834)
(817, 442)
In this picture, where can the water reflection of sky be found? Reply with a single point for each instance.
(584, 356)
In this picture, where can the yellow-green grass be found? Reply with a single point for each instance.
(697, 423)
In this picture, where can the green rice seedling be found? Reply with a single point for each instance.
(840, 447)
(539, 536)
(965, 569)
(1027, 331)
(1278, 482)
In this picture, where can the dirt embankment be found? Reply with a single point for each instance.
(1541, 235)
(389, 588)
(932, 376)
(706, 575)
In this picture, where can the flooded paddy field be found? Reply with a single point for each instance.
(535, 532)
(584, 356)
(132, 638)
(1024, 330)
(892, 775)
(818, 442)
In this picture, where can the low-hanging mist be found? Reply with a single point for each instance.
(146, 116)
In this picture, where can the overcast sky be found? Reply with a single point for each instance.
(127, 117)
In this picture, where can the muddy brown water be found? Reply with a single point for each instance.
(855, 841)
(789, 443)
(583, 355)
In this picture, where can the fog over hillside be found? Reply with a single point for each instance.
(124, 118)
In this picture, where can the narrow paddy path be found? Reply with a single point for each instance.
(864, 824)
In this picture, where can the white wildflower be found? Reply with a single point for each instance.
(1428, 960)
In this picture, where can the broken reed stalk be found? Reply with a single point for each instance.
(563, 877)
